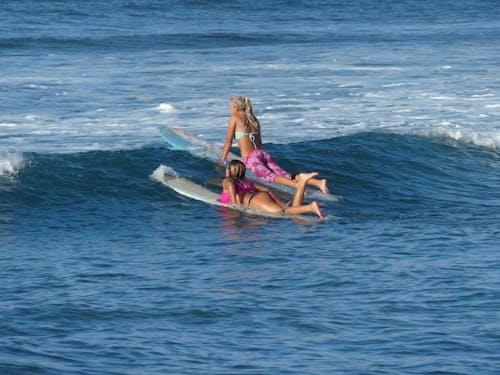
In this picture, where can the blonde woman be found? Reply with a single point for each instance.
(245, 128)
(236, 190)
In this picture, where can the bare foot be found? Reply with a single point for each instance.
(305, 176)
(323, 186)
(316, 209)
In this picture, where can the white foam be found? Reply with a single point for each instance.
(166, 108)
(161, 171)
(441, 97)
(41, 87)
(32, 117)
(481, 96)
(328, 107)
(465, 135)
(374, 68)
(394, 85)
(10, 164)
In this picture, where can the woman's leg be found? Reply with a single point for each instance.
(285, 178)
(302, 180)
(320, 184)
(266, 202)
(308, 208)
(298, 199)
(261, 164)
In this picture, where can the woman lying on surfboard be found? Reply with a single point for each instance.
(245, 128)
(236, 190)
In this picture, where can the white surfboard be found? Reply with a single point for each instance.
(182, 140)
(183, 186)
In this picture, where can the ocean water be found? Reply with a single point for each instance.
(105, 271)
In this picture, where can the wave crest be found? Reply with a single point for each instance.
(162, 170)
(10, 164)
(466, 136)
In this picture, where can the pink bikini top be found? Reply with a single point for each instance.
(240, 188)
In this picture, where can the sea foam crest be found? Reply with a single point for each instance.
(161, 171)
(166, 108)
(10, 164)
(467, 136)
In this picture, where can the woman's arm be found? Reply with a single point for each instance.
(231, 128)
(228, 185)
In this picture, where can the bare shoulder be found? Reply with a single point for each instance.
(232, 123)
(227, 182)
(237, 119)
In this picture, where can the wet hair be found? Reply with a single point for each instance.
(236, 170)
(243, 103)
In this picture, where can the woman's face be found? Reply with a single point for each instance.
(232, 107)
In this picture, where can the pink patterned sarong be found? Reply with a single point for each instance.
(261, 164)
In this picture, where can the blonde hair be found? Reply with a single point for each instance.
(236, 170)
(243, 103)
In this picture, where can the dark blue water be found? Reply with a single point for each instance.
(105, 271)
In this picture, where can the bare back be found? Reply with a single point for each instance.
(244, 132)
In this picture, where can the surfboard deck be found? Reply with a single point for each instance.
(182, 140)
(190, 189)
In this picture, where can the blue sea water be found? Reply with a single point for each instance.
(105, 271)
